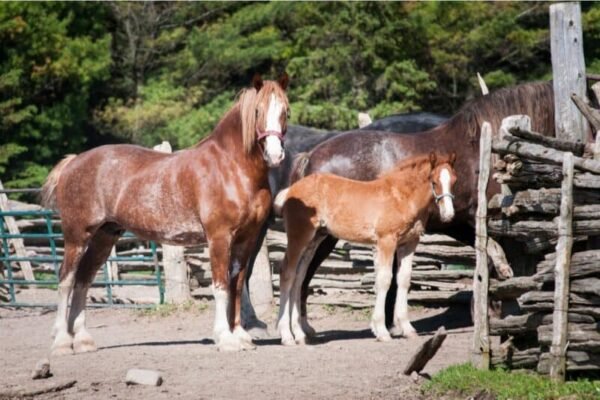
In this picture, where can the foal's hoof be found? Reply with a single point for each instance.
(302, 341)
(59, 351)
(396, 331)
(411, 335)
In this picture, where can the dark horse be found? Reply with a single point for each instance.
(215, 192)
(364, 155)
(301, 139)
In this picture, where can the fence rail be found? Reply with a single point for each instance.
(103, 279)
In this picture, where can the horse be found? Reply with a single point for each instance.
(215, 192)
(388, 212)
(363, 155)
(300, 139)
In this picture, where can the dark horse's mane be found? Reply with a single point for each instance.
(500, 103)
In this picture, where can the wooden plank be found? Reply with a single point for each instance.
(177, 282)
(425, 352)
(568, 69)
(558, 348)
(18, 244)
(576, 148)
(480, 355)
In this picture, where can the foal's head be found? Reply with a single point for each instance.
(443, 178)
(265, 110)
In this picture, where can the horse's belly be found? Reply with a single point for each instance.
(177, 235)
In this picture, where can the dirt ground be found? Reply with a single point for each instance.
(346, 362)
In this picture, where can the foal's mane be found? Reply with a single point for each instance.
(248, 101)
(534, 99)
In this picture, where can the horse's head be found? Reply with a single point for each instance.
(443, 178)
(265, 119)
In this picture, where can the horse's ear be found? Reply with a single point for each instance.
(432, 159)
(257, 81)
(283, 80)
(452, 158)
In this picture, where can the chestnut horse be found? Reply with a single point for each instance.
(363, 155)
(389, 212)
(215, 192)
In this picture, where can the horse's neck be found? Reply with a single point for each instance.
(418, 182)
(228, 136)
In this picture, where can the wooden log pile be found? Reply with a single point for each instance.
(529, 166)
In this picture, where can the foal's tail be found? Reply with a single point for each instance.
(280, 200)
(299, 167)
(49, 187)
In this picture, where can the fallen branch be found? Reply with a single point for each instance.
(426, 352)
(32, 393)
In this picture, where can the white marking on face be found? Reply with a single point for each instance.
(446, 206)
(274, 152)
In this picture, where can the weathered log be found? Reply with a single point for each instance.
(523, 230)
(516, 324)
(513, 288)
(533, 151)
(425, 352)
(532, 199)
(588, 285)
(592, 115)
(534, 297)
(583, 264)
(517, 359)
(576, 148)
(593, 311)
(576, 333)
(571, 317)
(533, 180)
(575, 361)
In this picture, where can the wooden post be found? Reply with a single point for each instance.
(558, 349)
(177, 282)
(480, 356)
(568, 69)
(261, 283)
(18, 244)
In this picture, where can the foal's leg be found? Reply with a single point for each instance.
(383, 276)
(307, 256)
(96, 254)
(322, 252)
(63, 341)
(402, 325)
(297, 243)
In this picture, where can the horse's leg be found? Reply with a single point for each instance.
(63, 340)
(383, 276)
(220, 256)
(402, 325)
(296, 320)
(297, 243)
(323, 251)
(95, 255)
(249, 319)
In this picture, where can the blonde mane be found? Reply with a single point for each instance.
(249, 101)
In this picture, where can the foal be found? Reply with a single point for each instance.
(388, 212)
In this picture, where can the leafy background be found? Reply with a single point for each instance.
(78, 75)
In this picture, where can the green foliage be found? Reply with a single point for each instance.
(465, 380)
(74, 75)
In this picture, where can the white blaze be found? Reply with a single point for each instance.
(274, 152)
(447, 207)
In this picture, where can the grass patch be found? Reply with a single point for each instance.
(166, 310)
(45, 276)
(466, 380)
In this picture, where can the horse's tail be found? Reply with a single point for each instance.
(280, 200)
(299, 167)
(49, 187)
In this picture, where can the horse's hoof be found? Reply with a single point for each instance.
(396, 331)
(84, 346)
(259, 333)
(230, 346)
(60, 351)
(302, 341)
(384, 338)
(411, 335)
(242, 335)
(308, 330)
(288, 342)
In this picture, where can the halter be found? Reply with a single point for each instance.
(438, 197)
(261, 135)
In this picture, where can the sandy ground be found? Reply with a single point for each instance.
(346, 362)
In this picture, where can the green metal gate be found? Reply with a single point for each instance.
(101, 279)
